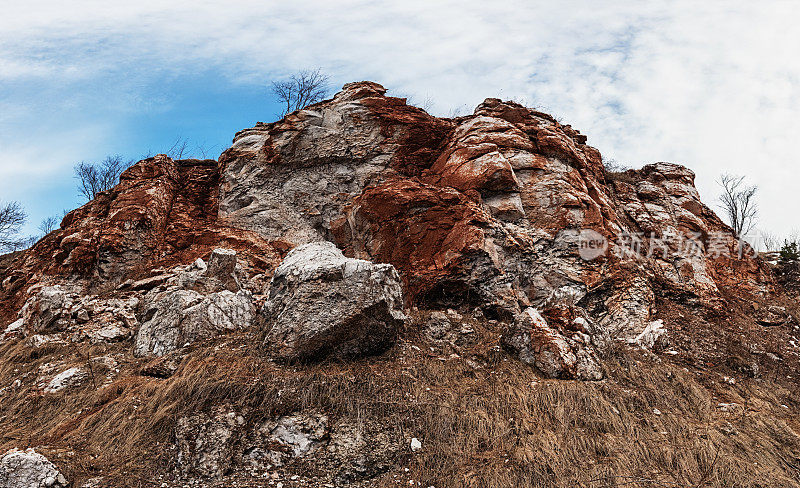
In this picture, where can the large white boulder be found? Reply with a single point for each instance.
(28, 469)
(322, 303)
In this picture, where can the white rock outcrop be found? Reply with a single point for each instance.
(67, 378)
(46, 309)
(536, 343)
(200, 301)
(179, 317)
(322, 303)
(651, 334)
(28, 469)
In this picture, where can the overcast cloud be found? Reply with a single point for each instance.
(713, 85)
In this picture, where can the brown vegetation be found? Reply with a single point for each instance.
(484, 421)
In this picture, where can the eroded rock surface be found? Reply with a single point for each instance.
(162, 213)
(28, 469)
(177, 314)
(68, 378)
(278, 441)
(536, 343)
(487, 210)
(213, 444)
(59, 310)
(373, 207)
(324, 304)
(207, 442)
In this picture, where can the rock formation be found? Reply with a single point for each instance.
(555, 355)
(361, 277)
(324, 304)
(28, 469)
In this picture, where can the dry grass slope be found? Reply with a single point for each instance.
(485, 421)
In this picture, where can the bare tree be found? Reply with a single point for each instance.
(48, 225)
(457, 111)
(179, 149)
(770, 241)
(301, 90)
(738, 202)
(613, 166)
(12, 218)
(203, 151)
(96, 177)
(427, 104)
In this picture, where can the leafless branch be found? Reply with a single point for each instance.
(770, 241)
(12, 218)
(738, 202)
(94, 178)
(457, 111)
(301, 90)
(613, 166)
(179, 149)
(48, 225)
(205, 151)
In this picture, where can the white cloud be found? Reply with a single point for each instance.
(712, 84)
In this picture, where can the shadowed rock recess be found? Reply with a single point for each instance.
(362, 294)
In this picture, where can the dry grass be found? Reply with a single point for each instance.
(496, 425)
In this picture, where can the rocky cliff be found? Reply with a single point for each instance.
(360, 273)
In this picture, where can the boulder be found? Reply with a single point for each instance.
(535, 342)
(40, 340)
(322, 303)
(221, 273)
(28, 469)
(773, 315)
(176, 318)
(206, 442)
(66, 379)
(14, 329)
(222, 268)
(651, 334)
(45, 309)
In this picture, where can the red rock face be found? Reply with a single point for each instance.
(431, 234)
(163, 212)
(488, 209)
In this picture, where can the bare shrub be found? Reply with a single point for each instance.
(48, 225)
(614, 166)
(738, 202)
(179, 149)
(301, 90)
(94, 178)
(616, 171)
(770, 241)
(12, 218)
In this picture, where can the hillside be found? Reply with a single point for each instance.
(362, 294)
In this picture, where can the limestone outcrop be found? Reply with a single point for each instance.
(28, 469)
(552, 352)
(324, 304)
(486, 210)
(199, 301)
(364, 294)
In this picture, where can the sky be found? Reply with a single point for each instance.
(713, 85)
